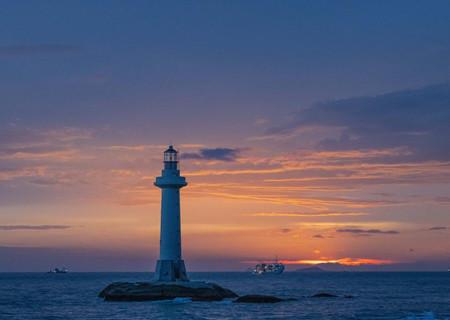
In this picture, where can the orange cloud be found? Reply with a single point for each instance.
(36, 171)
(60, 155)
(343, 261)
(307, 214)
(317, 203)
(68, 134)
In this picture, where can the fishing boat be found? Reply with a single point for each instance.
(271, 268)
(58, 270)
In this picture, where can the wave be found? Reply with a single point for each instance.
(428, 315)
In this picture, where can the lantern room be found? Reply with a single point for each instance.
(171, 158)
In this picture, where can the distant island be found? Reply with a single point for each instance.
(310, 269)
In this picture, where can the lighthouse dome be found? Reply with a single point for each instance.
(171, 150)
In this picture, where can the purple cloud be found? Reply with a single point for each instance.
(221, 154)
(437, 228)
(33, 227)
(416, 119)
(366, 232)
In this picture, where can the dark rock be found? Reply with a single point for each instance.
(324, 295)
(144, 291)
(256, 298)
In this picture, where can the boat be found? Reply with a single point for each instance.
(264, 268)
(58, 270)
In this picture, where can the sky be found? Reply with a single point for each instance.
(313, 132)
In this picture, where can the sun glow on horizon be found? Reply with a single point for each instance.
(351, 262)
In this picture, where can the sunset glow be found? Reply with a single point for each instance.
(313, 134)
(342, 261)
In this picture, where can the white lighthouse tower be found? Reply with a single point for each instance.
(171, 280)
(170, 266)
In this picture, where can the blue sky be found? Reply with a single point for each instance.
(160, 58)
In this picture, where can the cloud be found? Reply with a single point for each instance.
(34, 139)
(221, 154)
(318, 236)
(307, 214)
(137, 148)
(20, 146)
(437, 228)
(366, 232)
(341, 261)
(443, 200)
(7, 174)
(346, 169)
(33, 227)
(32, 158)
(316, 203)
(33, 49)
(416, 119)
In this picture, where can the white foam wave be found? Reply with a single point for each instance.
(424, 316)
(181, 300)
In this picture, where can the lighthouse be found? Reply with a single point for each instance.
(170, 266)
(170, 280)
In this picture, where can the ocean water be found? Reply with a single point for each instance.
(407, 295)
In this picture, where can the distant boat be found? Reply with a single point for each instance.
(263, 268)
(58, 270)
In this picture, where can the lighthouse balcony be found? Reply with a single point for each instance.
(170, 182)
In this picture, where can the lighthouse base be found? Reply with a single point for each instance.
(170, 270)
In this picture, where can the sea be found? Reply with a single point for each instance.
(382, 296)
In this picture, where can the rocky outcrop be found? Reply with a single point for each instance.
(324, 295)
(144, 291)
(256, 298)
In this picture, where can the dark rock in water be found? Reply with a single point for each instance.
(256, 298)
(144, 291)
(324, 295)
